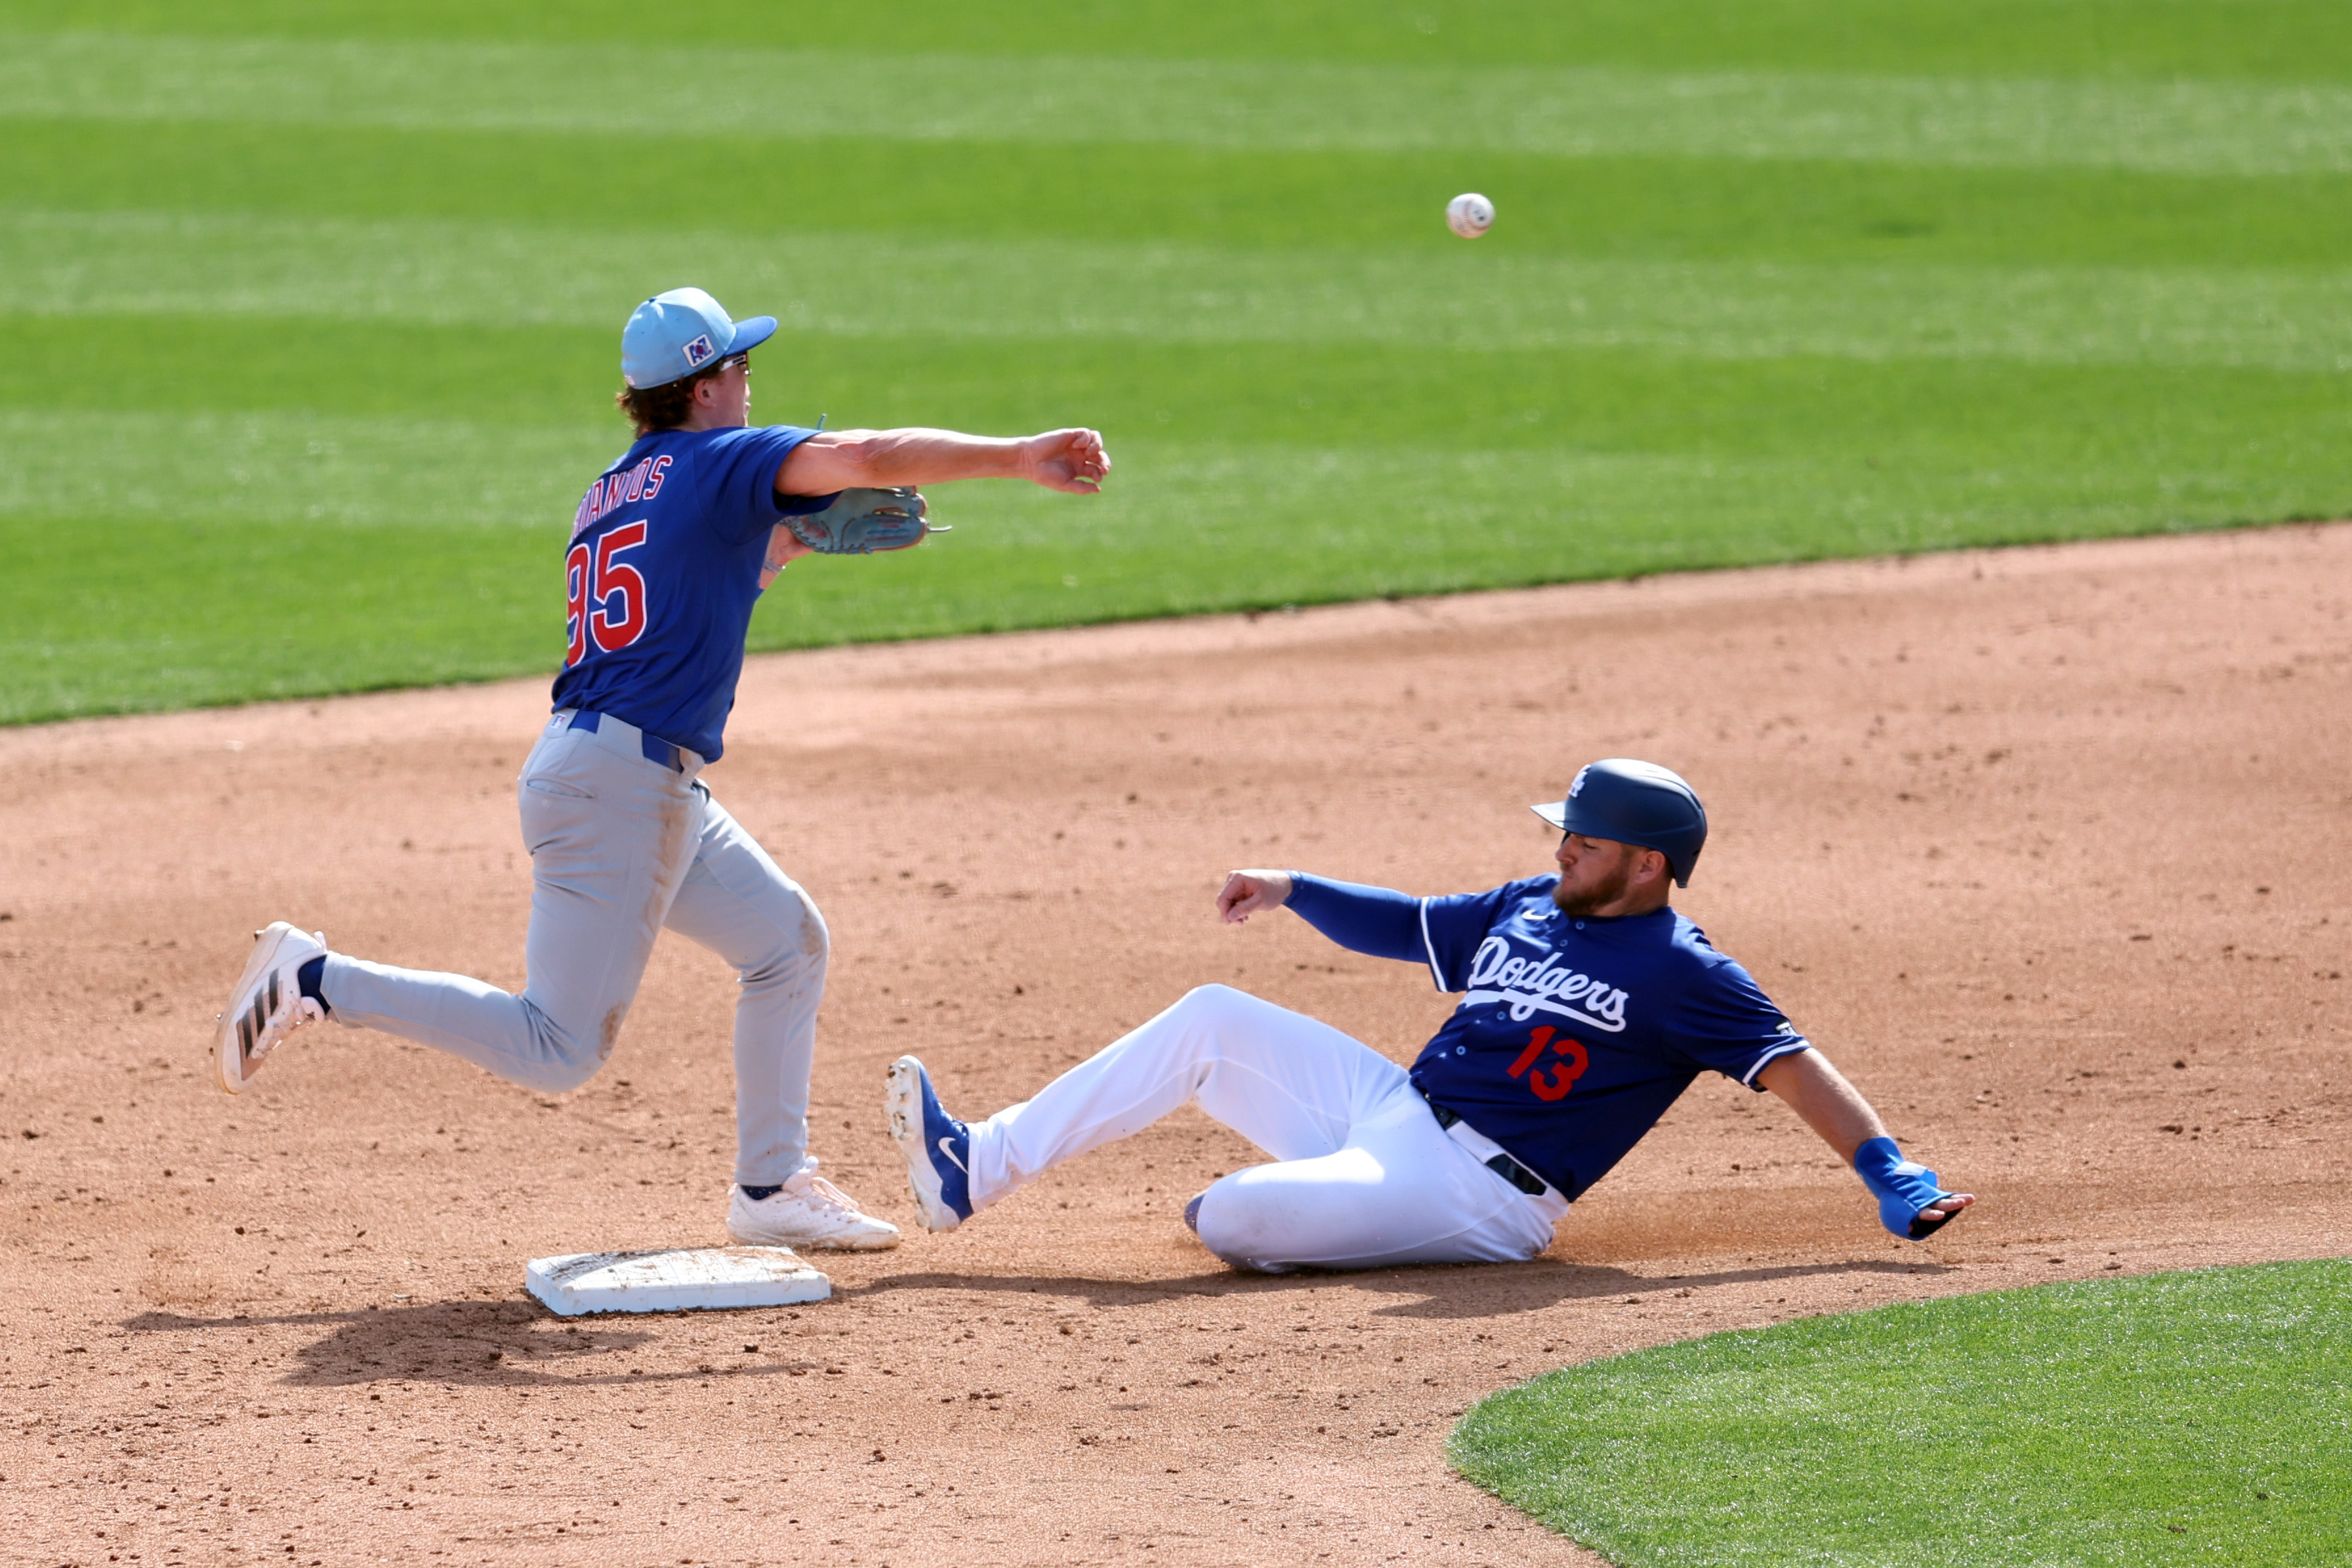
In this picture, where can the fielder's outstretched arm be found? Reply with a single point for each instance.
(1816, 1090)
(1070, 460)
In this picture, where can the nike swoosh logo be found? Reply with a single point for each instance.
(946, 1147)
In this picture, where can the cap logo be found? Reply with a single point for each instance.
(1576, 783)
(697, 349)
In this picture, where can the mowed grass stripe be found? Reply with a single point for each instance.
(863, 285)
(2183, 126)
(2274, 40)
(1938, 415)
(280, 466)
(382, 564)
(1649, 208)
(438, 474)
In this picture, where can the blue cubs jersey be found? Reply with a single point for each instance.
(1575, 1035)
(661, 574)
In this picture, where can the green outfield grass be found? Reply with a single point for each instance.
(2200, 1418)
(308, 311)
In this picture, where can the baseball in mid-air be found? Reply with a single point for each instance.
(1469, 214)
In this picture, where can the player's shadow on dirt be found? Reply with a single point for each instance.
(1500, 1289)
(1438, 1290)
(517, 1344)
(491, 1344)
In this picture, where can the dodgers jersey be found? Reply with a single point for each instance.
(661, 575)
(1574, 1033)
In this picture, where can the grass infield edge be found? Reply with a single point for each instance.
(1484, 1458)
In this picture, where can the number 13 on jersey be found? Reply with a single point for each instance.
(604, 597)
(1562, 1075)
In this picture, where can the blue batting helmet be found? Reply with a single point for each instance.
(1634, 803)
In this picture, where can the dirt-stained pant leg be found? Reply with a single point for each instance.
(1363, 1174)
(612, 836)
(737, 903)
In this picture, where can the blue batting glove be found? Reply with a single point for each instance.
(1904, 1189)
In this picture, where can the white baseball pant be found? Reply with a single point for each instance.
(1364, 1177)
(620, 847)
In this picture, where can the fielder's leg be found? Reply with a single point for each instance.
(611, 836)
(738, 903)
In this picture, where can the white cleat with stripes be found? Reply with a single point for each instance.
(267, 1004)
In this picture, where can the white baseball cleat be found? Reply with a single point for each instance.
(807, 1211)
(267, 1004)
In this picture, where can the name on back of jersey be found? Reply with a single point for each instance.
(612, 491)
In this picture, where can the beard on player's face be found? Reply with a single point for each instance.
(1594, 873)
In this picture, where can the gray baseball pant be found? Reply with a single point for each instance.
(622, 846)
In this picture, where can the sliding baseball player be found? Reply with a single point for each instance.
(670, 548)
(1588, 1006)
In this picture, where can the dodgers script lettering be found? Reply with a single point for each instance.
(1542, 984)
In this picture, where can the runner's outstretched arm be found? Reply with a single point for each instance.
(1381, 921)
(1834, 1108)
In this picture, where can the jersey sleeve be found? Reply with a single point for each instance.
(1377, 920)
(1452, 928)
(1725, 1023)
(739, 484)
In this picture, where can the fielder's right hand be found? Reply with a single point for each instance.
(1072, 461)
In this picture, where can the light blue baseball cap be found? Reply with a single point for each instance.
(672, 335)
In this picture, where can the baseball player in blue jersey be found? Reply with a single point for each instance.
(1588, 1006)
(670, 549)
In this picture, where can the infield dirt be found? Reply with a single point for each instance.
(2047, 848)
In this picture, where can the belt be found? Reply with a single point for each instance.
(655, 749)
(1502, 1164)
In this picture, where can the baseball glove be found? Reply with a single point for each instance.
(861, 521)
